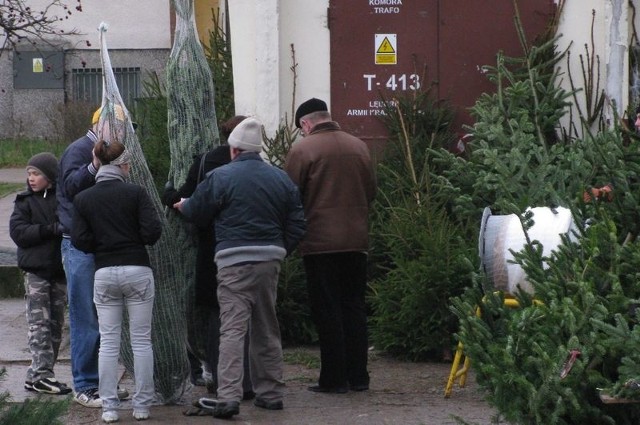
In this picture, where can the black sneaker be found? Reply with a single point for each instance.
(269, 405)
(28, 385)
(50, 386)
(225, 410)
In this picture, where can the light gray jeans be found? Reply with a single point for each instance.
(115, 288)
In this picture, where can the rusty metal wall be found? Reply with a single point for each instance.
(386, 48)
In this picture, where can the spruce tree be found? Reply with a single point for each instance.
(419, 256)
(548, 361)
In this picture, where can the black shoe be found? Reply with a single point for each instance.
(248, 395)
(198, 381)
(332, 390)
(226, 409)
(359, 387)
(205, 403)
(269, 405)
(49, 386)
(122, 393)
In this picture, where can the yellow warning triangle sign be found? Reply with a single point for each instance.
(386, 47)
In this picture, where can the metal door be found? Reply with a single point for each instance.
(386, 48)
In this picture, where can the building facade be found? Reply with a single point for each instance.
(41, 83)
(348, 53)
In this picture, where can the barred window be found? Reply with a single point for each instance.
(87, 84)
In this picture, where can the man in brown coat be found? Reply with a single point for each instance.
(336, 178)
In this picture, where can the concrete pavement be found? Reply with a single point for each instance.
(401, 392)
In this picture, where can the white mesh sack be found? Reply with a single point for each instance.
(499, 234)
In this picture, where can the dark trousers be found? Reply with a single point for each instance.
(336, 284)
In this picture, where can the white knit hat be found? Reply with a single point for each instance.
(247, 136)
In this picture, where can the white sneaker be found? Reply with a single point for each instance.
(110, 416)
(88, 398)
(141, 415)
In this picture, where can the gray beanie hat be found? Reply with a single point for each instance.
(247, 136)
(46, 163)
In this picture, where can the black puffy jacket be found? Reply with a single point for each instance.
(34, 228)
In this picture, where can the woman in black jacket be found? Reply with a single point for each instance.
(116, 220)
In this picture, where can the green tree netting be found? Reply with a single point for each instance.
(169, 326)
(192, 130)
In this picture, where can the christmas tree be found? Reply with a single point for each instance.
(575, 340)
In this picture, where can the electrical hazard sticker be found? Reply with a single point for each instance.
(386, 49)
(38, 65)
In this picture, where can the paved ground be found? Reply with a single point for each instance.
(401, 393)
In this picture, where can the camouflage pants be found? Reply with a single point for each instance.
(46, 300)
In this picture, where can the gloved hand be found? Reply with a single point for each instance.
(51, 230)
(169, 195)
(57, 228)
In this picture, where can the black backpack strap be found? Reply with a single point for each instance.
(201, 169)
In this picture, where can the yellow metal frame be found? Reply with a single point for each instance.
(461, 373)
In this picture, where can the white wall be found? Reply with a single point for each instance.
(575, 30)
(608, 43)
(304, 24)
(255, 55)
(261, 36)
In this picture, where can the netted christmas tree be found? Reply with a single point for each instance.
(192, 130)
(169, 325)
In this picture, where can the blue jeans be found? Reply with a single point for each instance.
(115, 288)
(83, 320)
